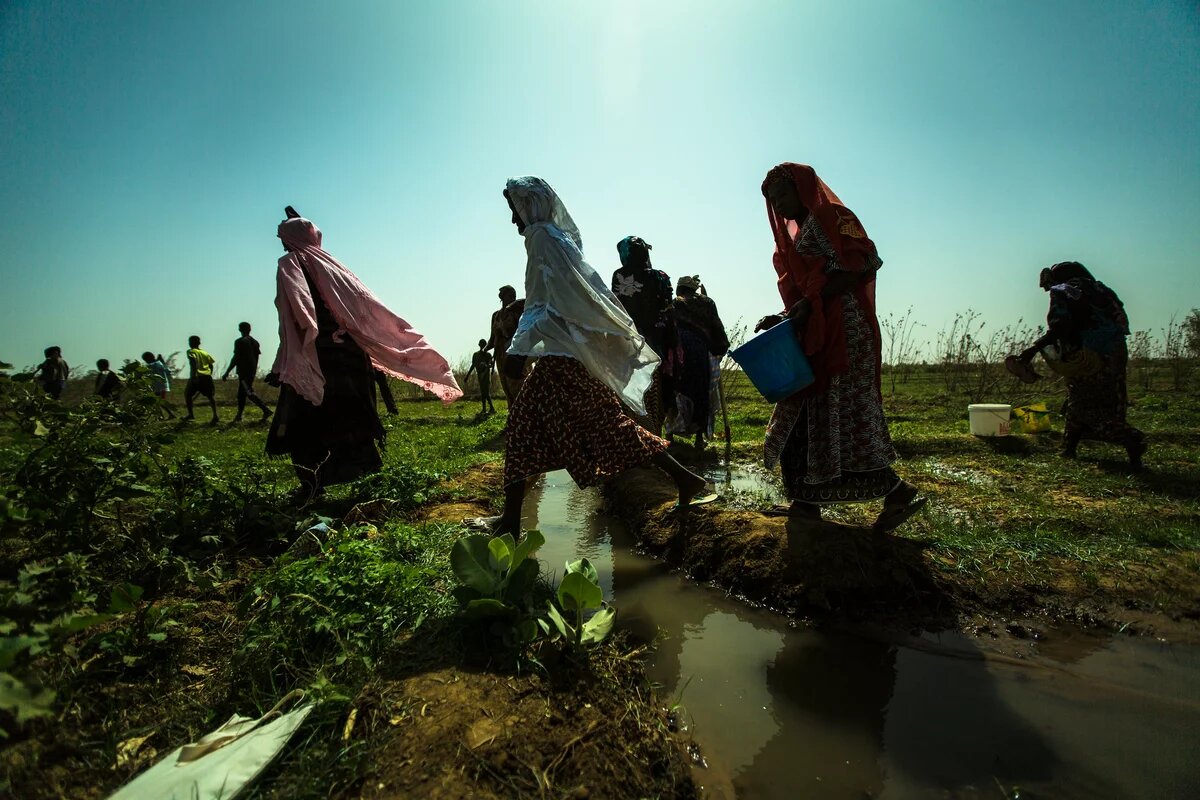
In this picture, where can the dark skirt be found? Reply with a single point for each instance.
(693, 406)
(1096, 403)
(338, 440)
(566, 419)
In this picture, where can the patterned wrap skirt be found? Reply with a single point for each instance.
(564, 418)
(835, 447)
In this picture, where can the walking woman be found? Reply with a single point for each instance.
(590, 359)
(645, 293)
(1085, 342)
(331, 331)
(831, 439)
(703, 340)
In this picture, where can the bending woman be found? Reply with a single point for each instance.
(1087, 326)
(590, 359)
(331, 330)
(831, 439)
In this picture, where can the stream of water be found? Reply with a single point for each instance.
(785, 711)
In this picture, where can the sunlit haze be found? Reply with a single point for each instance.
(149, 149)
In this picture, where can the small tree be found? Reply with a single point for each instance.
(1191, 332)
(901, 344)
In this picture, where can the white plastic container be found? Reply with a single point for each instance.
(989, 419)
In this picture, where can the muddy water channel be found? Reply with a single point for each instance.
(785, 711)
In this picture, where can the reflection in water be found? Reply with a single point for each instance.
(786, 712)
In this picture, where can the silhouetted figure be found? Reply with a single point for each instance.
(52, 373)
(245, 363)
(160, 380)
(504, 325)
(108, 383)
(481, 365)
(646, 294)
(200, 378)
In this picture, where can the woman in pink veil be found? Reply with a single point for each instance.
(333, 334)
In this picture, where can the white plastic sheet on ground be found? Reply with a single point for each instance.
(222, 763)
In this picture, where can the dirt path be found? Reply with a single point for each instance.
(832, 569)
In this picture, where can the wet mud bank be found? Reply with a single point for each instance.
(835, 570)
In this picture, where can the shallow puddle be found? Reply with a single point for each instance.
(790, 712)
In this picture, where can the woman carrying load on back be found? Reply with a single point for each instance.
(830, 439)
(1085, 340)
(333, 334)
(590, 359)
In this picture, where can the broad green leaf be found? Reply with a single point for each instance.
(597, 629)
(529, 545)
(470, 559)
(70, 623)
(18, 700)
(12, 646)
(577, 593)
(526, 630)
(500, 554)
(584, 568)
(124, 597)
(564, 627)
(520, 581)
(487, 607)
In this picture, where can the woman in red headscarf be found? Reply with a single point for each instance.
(831, 439)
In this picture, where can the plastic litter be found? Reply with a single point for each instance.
(220, 764)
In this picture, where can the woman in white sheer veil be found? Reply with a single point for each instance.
(591, 358)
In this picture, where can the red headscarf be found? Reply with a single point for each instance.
(803, 276)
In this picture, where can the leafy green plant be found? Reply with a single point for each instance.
(498, 578)
(578, 594)
(345, 604)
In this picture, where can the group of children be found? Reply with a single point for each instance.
(52, 374)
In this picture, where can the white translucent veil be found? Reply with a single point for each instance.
(569, 309)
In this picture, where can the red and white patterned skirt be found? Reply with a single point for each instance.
(564, 418)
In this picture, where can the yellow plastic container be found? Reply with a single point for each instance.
(1033, 418)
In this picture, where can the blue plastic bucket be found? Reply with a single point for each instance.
(774, 362)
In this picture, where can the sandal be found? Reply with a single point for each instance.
(894, 517)
(698, 500)
(484, 524)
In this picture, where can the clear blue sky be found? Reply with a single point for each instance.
(148, 149)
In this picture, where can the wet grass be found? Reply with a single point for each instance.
(1011, 510)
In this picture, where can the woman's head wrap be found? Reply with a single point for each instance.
(634, 251)
(569, 309)
(394, 347)
(804, 276)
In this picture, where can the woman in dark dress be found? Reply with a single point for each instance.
(333, 335)
(1085, 342)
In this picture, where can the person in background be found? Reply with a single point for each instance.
(481, 365)
(200, 379)
(333, 334)
(1085, 342)
(245, 363)
(704, 341)
(830, 439)
(591, 358)
(160, 380)
(646, 295)
(53, 372)
(384, 387)
(108, 383)
(504, 325)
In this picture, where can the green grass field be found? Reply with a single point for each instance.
(146, 582)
